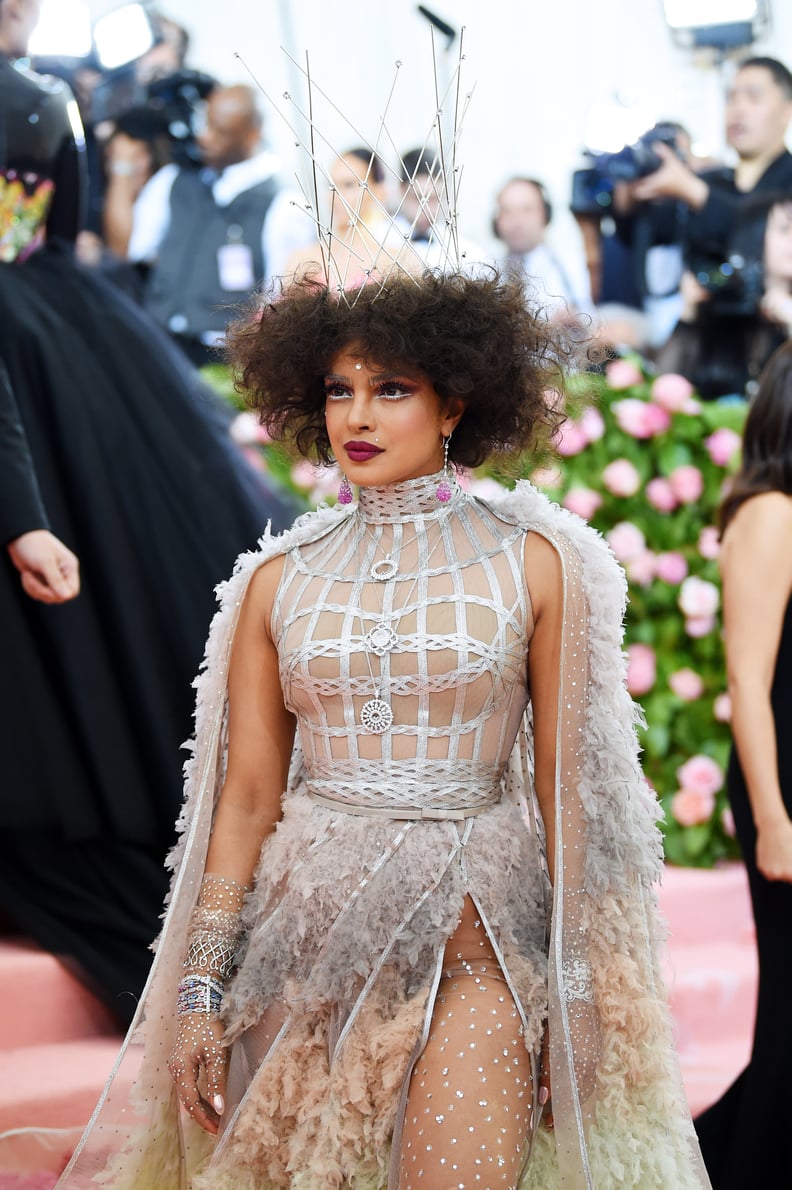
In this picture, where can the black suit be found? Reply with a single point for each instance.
(21, 509)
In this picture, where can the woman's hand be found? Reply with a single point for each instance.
(545, 1101)
(199, 1046)
(774, 850)
(50, 571)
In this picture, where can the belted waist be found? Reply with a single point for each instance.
(424, 813)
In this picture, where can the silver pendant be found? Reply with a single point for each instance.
(380, 639)
(376, 716)
(386, 568)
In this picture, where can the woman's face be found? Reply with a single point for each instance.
(385, 424)
(346, 173)
(778, 244)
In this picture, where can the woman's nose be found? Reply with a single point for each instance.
(361, 412)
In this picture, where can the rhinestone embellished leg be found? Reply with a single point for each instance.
(468, 1106)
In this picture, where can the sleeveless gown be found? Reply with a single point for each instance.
(139, 478)
(743, 1135)
(404, 895)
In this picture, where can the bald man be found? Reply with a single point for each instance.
(211, 236)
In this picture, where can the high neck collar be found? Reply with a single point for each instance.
(411, 500)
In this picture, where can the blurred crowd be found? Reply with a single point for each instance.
(683, 259)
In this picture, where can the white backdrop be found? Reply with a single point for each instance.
(537, 66)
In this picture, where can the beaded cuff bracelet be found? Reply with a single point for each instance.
(199, 993)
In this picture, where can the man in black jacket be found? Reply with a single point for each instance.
(49, 570)
(758, 113)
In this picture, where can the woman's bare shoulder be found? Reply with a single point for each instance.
(543, 570)
(760, 518)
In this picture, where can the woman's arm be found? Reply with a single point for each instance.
(545, 587)
(260, 739)
(756, 566)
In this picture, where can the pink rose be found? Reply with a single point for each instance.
(727, 821)
(546, 477)
(319, 482)
(627, 541)
(697, 597)
(686, 684)
(621, 478)
(254, 457)
(621, 373)
(485, 488)
(672, 392)
(641, 669)
(592, 423)
(701, 774)
(660, 495)
(570, 439)
(709, 543)
(690, 808)
(723, 445)
(671, 567)
(641, 570)
(583, 501)
(247, 430)
(687, 483)
(641, 419)
(721, 707)
(698, 626)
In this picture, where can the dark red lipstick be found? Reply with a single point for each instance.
(360, 452)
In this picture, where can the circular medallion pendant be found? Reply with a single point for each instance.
(386, 568)
(376, 716)
(380, 639)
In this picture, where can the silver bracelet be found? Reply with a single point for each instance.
(199, 993)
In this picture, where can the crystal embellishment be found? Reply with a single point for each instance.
(380, 639)
(376, 716)
(577, 981)
(385, 569)
(444, 492)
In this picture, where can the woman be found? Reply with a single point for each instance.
(387, 950)
(139, 478)
(742, 1135)
(363, 239)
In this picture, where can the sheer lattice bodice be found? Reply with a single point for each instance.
(422, 607)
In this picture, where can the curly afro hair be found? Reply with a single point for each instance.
(473, 337)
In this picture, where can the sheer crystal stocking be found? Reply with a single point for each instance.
(469, 1101)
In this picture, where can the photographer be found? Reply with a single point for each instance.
(210, 236)
(735, 316)
(758, 113)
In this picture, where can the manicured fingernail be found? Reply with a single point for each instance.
(544, 1095)
(219, 1104)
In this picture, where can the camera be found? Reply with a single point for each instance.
(592, 187)
(735, 286)
(174, 100)
(639, 159)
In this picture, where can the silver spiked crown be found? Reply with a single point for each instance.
(378, 238)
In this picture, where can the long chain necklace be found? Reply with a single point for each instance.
(376, 715)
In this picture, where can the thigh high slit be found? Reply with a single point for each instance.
(469, 1102)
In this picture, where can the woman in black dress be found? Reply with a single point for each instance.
(139, 479)
(744, 1136)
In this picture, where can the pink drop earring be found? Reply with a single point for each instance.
(345, 494)
(444, 491)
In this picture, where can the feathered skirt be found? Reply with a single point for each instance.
(345, 935)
